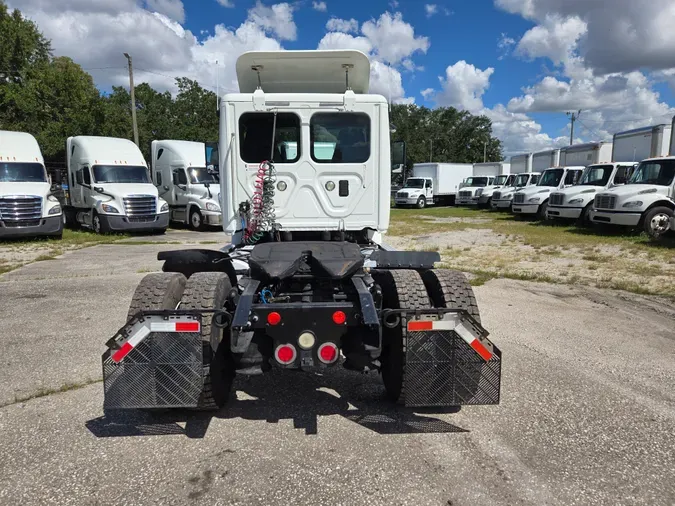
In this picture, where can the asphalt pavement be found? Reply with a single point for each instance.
(587, 413)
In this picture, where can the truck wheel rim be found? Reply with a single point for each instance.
(97, 224)
(196, 221)
(660, 223)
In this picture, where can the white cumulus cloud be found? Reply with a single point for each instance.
(320, 6)
(342, 25)
(226, 3)
(431, 9)
(277, 19)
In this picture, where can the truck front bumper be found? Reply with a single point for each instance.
(212, 218)
(122, 223)
(616, 218)
(406, 202)
(571, 213)
(465, 201)
(501, 204)
(51, 226)
(484, 199)
(525, 208)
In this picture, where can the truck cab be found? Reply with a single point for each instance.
(502, 199)
(183, 179)
(576, 203)
(469, 194)
(485, 195)
(28, 207)
(417, 191)
(110, 188)
(646, 201)
(533, 201)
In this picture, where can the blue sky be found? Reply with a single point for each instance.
(523, 63)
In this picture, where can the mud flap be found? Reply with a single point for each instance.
(155, 361)
(449, 362)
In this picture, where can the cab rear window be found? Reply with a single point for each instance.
(255, 137)
(341, 137)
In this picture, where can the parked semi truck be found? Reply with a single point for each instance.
(646, 202)
(483, 180)
(307, 282)
(503, 199)
(642, 143)
(576, 202)
(28, 207)
(433, 184)
(583, 155)
(182, 178)
(110, 188)
(534, 200)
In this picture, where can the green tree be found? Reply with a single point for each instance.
(22, 46)
(195, 115)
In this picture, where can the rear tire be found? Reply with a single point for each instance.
(209, 290)
(451, 290)
(401, 289)
(162, 290)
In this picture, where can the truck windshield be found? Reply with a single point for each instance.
(120, 174)
(200, 175)
(477, 181)
(521, 180)
(16, 172)
(414, 183)
(660, 173)
(551, 177)
(501, 180)
(596, 175)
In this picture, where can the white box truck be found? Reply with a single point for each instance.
(110, 187)
(522, 163)
(583, 155)
(28, 208)
(545, 160)
(182, 178)
(503, 198)
(642, 143)
(646, 202)
(533, 201)
(576, 202)
(484, 180)
(433, 183)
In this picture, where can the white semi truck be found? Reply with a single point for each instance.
(642, 143)
(181, 175)
(576, 202)
(534, 200)
(583, 155)
(646, 202)
(433, 184)
(110, 188)
(503, 199)
(307, 282)
(28, 207)
(487, 177)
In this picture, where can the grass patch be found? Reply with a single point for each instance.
(46, 392)
(44, 258)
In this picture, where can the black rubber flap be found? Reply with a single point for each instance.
(281, 260)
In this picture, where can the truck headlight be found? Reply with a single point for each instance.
(210, 206)
(479, 192)
(509, 196)
(535, 200)
(576, 201)
(52, 198)
(635, 203)
(109, 209)
(165, 208)
(55, 210)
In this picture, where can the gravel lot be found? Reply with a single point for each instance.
(587, 413)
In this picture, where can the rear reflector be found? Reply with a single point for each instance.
(328, 353)
(143, 332)
(285, 354)
(460, 329)
(339, 317)
(274, 318)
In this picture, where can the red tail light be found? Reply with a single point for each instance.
(339, 318)
(285, 354)
(274, 318)
(328, 353)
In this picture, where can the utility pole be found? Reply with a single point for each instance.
(573, 117)
(133, 98)
(217, 88)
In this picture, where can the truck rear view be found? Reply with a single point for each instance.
(306, 283)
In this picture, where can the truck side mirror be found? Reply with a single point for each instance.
(399, 155)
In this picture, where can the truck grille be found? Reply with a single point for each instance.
(467, 194)
(605, 202)
(497, 196)
(519, 198)
(403, 195)
(140, 205)
(21, 210)
(557, 199)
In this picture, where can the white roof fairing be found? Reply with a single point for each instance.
(304, 71)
